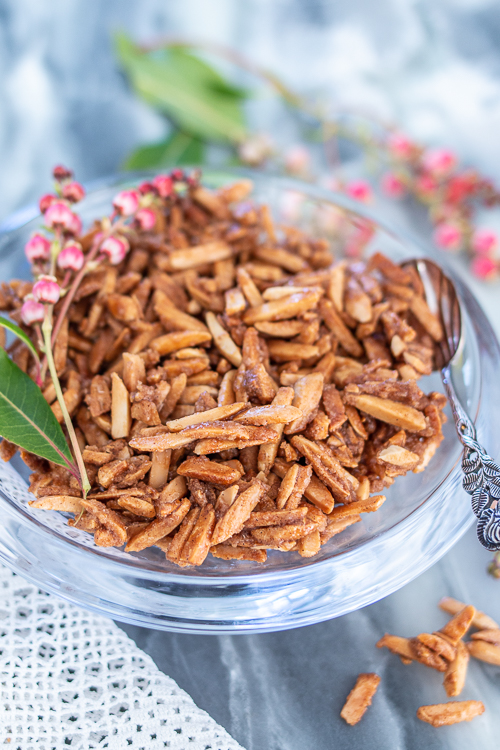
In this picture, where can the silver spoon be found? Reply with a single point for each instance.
(481, 473)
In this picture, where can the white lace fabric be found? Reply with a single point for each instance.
(72, 679)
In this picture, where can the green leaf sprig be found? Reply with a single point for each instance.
(200, 104)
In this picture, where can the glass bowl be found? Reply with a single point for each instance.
(425, 514)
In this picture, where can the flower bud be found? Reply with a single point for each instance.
(439, 161)
(46, 289)
(360, 190)
(75, 227)
(126, 202)
(32, 311)
(297, 160)
(145, 187)
(71, 257)
(163, 185)
(146, 219)
(115, 248)
(73, 192)
(46, 201)
(392, 185)
(484, 267)
(59, 215)
(484, 241)
(256, 149)
(400, 146)
(61, 173)
(448, 236)
(37, 248)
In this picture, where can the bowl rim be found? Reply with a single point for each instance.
(21, 218)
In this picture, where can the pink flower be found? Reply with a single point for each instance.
(73, 192)
(359, 239)
(448, 236)
(146, 219)
(439, 161)
(46, 289)
(59, 215)
(426, 185)
(392, 185)
(75, 227)
(400, 146)
(126, 202)
(177, 174)
(484, 267)
(32, 311)
(145, 187)
(360, 190)
(163, 185)
(115, 248)
(46, 201)
(484, 241)
(37, 248)
(71, 257)
(297, 160)
(61, 173)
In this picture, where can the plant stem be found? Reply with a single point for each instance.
(47, 330)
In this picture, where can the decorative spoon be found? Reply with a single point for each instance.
(481, 473)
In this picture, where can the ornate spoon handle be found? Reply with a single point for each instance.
(481, 473)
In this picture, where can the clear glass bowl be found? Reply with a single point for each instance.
(425, 514)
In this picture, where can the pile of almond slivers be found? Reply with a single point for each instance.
(444, 651)
(234, 390)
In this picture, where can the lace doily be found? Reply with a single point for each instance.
(73, 679)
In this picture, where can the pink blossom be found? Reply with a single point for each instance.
(484, 241)
(297, 160)
(426, 185)
(360, 190)
(32, 311)
(448, 236)
(359, 239)
(71, 257)
(439, 161)
(392, 185)
(37, 248)
(177, 174)
(163, 185)
(115, 248)
(46, 201)
(59, 215)
(400, 146)
(126, 202)
(146, 219)
(75, 227)
(145, 187)
(46, 289)
(61, 173)
(484, 267)
(73, 192)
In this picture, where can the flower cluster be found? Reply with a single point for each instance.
(431, 176)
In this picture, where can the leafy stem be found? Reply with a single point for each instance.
(46, 331)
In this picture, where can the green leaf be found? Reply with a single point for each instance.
(178, 149)
(20, 335)
(190, 92)
(26, 419)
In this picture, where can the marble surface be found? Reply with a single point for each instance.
(284, 691)
(435, 69)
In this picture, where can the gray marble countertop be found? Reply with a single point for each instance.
(284, 691)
